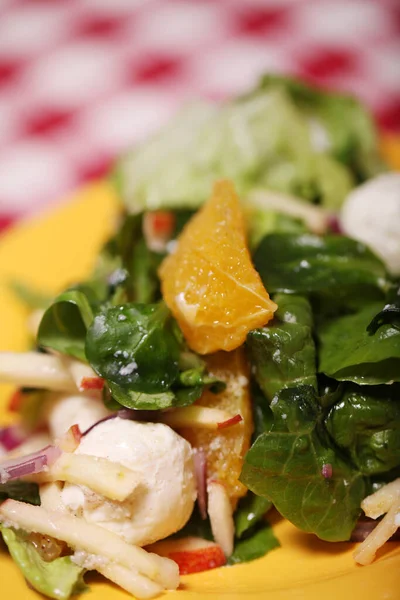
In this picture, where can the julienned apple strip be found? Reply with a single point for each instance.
(112, 480)
(48, 371)
(81, 535)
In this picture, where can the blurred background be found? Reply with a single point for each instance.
(82, 80)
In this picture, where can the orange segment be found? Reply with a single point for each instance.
(209, 283)
(225, 448)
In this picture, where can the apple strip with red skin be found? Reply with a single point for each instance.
(192, 554)
(83, 375)
(70, 440)
(47, 371)
(88, 537)
(91, 383)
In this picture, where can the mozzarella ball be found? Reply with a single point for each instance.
(65, 410)
(163, 501)
(371, 214)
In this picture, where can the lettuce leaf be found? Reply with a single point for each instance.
(348, 128)
(59, 579)
(262, 140)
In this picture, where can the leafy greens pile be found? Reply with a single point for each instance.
(117, 322)
(322, 403)
(326, 370)
(283, 136)
(330, 421)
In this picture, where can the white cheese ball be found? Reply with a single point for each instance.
(371, 214)
(163, 501)
(65, 410)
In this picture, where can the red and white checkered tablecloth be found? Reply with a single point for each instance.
(82, 80)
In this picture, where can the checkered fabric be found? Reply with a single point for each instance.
(82, 80)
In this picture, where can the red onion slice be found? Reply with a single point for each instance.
(124, 413)
(200, 469)
(29, 464)
(11, 437)
(334, 225)
(327, 470)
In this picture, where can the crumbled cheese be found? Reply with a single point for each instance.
(128, 369)
(91, 562)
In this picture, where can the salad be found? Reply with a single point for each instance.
(234, 351)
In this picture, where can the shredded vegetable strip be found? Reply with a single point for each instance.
(110, 479)
(130, 580)
(379, 503)
(316, 218)
(81, 535)
(366, 552)
(198, 417)
(387, 499)
(50, 496)
(33, 369)
(79, 372)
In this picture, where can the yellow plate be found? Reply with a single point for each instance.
(56, 250)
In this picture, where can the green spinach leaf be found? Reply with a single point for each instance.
(64, 324)
(257, 543)
(390, 314)
(366, 424)
(59, 579)
(334, 268)
(251, 509)
(143, 267)
(262, 413)
(283, 353)
(133, 346)
(140, 400)
(285, 466)
(196, 526)
(127, 258)
(349, 353)
(23, 491)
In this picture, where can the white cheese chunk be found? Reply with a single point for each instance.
(164, 498)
